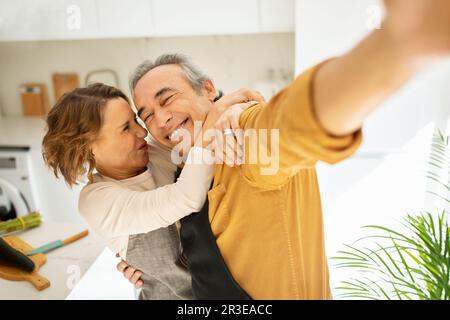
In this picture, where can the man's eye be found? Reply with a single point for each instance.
(167, 100)
(126, 128)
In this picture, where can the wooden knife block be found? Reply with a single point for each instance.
(34, 99)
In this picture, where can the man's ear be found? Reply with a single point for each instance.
(210, 90)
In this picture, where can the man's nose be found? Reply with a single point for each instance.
(162, 117)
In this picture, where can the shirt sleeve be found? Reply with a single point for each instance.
(291, 136)
(113, 210)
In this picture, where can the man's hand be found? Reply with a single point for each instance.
(421, 27)
(347, 89)
(130, 273)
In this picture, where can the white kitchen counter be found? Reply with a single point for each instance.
(103, 282)
(64, 267)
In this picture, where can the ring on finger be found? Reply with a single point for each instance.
(228, 132)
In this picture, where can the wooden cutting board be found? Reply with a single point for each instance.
(64, 82)
(34, 99)
(14, 274)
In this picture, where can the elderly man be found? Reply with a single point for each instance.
(260, 236)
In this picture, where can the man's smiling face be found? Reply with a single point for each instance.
(166, 102)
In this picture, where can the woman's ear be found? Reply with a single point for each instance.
(210, 90)
(93, 150)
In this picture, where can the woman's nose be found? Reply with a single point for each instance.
(140, 132)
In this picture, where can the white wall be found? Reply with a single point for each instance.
(326, 28)
(232, 61)
(385, 179)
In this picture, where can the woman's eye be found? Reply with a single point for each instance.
(148, 117)
(126, 128)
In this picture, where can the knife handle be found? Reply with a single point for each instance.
(76, 237)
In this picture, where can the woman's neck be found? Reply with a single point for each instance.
(118, 174)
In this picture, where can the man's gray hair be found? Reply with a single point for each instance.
(192, 73)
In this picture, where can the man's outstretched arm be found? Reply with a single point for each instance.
(317, 116)
(348, 88)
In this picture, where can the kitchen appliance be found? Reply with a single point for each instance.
(17, 196)
(34, 99)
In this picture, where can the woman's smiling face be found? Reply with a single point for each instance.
(120, 150)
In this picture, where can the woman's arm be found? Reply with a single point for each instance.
(115, 211)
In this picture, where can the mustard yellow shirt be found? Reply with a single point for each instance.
(269, 227)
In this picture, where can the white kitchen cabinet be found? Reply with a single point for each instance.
(93, 19)
(48, 20)
(74, 19)
(205, 17)
(276, 15)
(120, 18)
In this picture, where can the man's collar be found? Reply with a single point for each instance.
(219, 95)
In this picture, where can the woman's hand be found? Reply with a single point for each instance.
(227, 138)
(239, 96)
(131, 274)
(228, 144)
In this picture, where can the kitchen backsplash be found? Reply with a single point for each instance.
(232, 61)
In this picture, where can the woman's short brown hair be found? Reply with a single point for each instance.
(72, 125)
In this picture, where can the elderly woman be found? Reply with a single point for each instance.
(94, 132)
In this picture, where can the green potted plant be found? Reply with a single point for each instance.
(409, 263)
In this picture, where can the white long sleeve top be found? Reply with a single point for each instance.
(116, 209)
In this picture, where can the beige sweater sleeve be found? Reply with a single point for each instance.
(112, 210)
